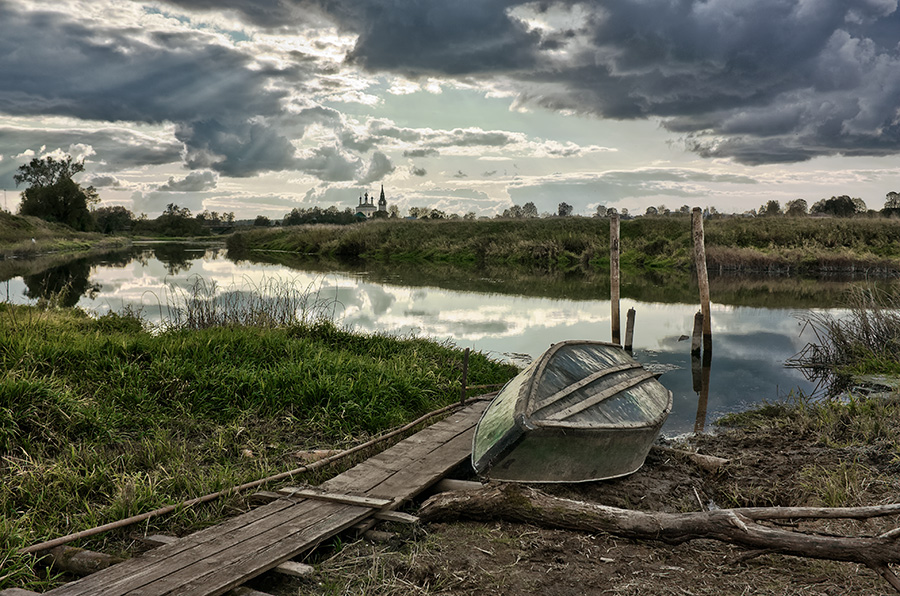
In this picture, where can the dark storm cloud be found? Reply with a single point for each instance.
(124, 147)
(219, 98)
(763, 81)
(265, 13)
(379, 167)
(236, 148)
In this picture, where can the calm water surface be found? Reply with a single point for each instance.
(747, 367)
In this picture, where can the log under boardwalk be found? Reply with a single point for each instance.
(222, 557)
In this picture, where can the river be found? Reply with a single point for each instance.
(501, 313)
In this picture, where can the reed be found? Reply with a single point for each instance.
(865, 340)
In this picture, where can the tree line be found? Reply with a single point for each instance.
(53, 195)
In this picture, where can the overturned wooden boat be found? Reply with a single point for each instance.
(584, 410)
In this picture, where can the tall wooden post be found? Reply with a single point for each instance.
(614, 276)
(702, 277)
(629, 330)
(697, 334)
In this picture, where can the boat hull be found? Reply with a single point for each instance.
(573, 455)
(583, 411)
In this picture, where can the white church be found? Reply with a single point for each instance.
(367, 206)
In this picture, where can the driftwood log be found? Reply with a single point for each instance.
(734, 526)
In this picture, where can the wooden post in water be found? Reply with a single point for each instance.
(629, 330)
(465, 374)
(702, 277)
(697, 335)
(614, 276)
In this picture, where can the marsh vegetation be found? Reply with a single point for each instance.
(100, 418)
(773, 245)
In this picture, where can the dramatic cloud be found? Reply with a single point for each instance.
(181, 100)
(379, 167)
(329, 163)
(765, 81)
(193, 182)
(426, 142)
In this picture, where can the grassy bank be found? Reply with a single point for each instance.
(101, 419)
(30, 236)
(784, 245)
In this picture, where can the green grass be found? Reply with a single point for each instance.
(855, 422)
(17, 232)
(776, 244)
(101, 419)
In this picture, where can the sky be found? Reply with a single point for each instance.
(258, 107)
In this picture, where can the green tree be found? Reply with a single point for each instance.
(53, 195)
(797, 207)
(842, 206)
(891, 204)
(113, 219)
(771, 208)
(564, 209)
(262, 221)
(529, 210)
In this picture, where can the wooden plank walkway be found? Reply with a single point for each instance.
(222, 557)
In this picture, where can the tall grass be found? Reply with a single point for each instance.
(102, 418)
(768, 244)
(866, 340)
(268, 303)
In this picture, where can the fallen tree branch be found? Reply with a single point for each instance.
(734, 526)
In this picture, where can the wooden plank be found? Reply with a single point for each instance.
(294, 569)
(407, 453)
(17, 592)
(216, 576)
(215, 560)
(216, 555)
(397, 517)
(410, 482)
(158, 539)
(150, 565)
(345, 499)
(288, 567)
(213, 555)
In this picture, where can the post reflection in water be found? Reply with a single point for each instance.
(504, 317)
(700, 378)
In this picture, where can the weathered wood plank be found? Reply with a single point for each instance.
(259, 555)
(151, 564)
(215, 560)
(408, 453)
(397, 517)
(410, 482)
(294, 569)
(345, 499)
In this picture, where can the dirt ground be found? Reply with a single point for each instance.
(495, 557)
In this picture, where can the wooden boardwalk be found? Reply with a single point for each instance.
(222, 557)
